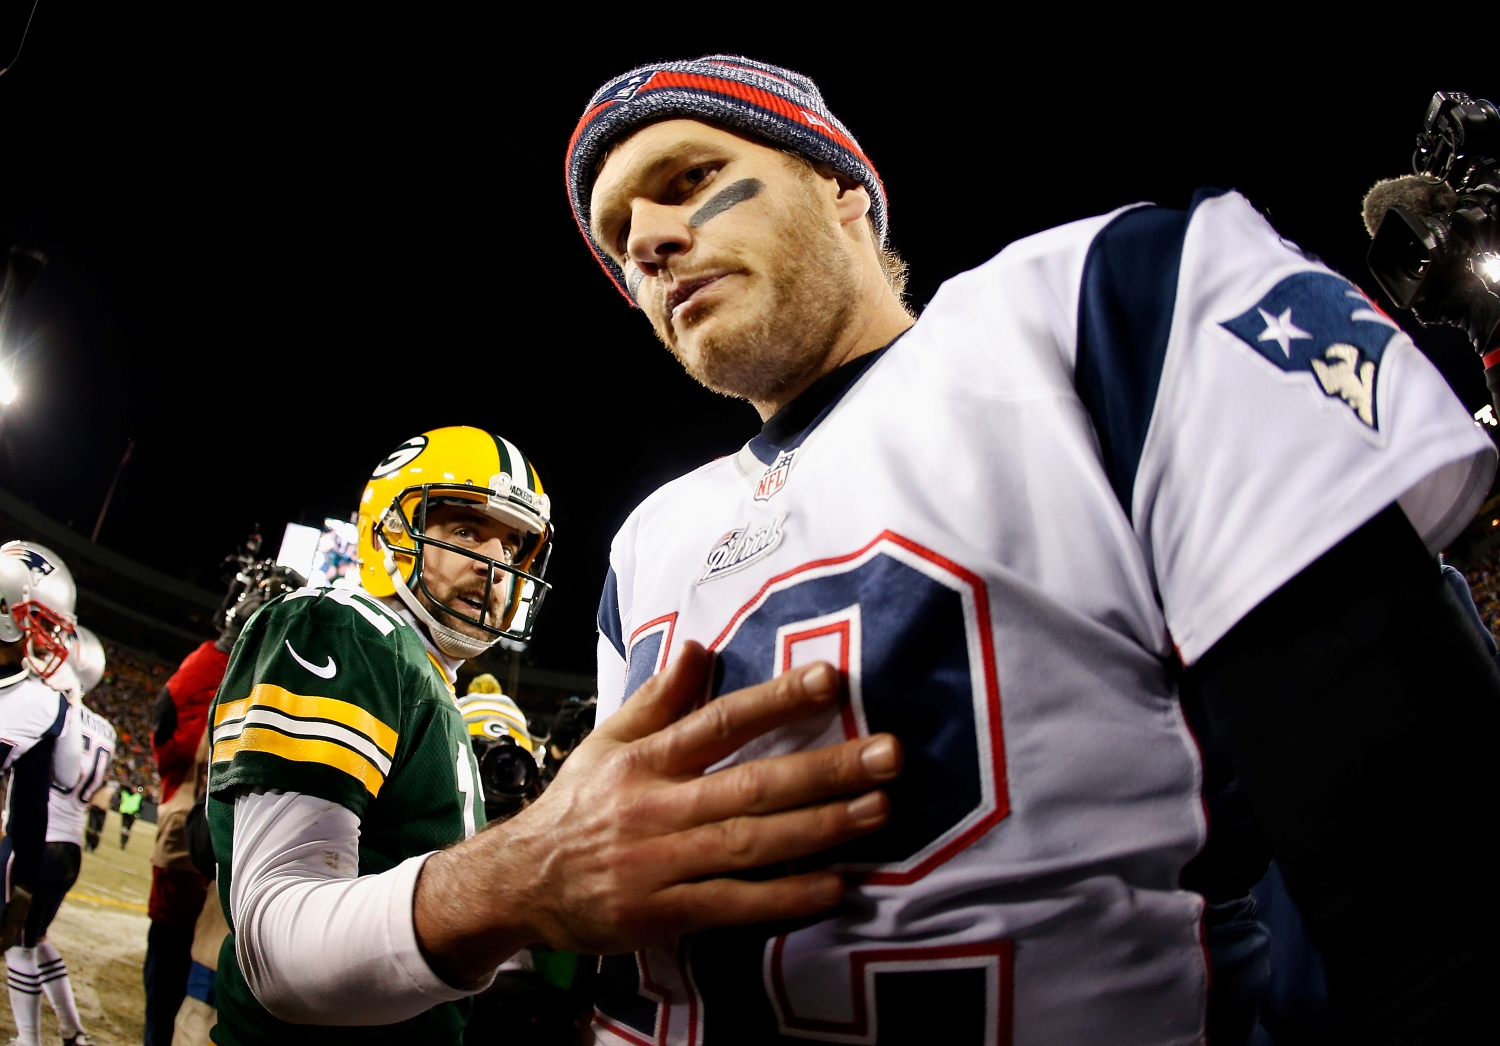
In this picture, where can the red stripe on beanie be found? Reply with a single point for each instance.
(583, 124)
(755, 96)
(577, 220)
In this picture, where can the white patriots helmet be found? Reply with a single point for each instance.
(38, 602)
(88, 659)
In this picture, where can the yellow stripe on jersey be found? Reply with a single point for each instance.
(302, 750)
(267, 695)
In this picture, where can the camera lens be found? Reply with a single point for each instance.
(1402, 253)
(1411, 259)
(506, 770)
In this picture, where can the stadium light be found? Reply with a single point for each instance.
(8, 391)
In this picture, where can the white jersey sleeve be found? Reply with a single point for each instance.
(67, 753)
(611, 679)
(311, 932)
(628, 656)
(67, 808)
(1256, 409)
(30, 711)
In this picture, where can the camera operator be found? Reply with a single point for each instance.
(540, 996)
(574, 722)
(503, 747)
(1436, 232)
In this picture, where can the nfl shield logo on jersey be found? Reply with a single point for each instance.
(1325, 326)
(774, 478)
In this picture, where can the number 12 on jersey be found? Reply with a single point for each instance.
(910, 630)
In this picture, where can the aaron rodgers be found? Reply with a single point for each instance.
(337, 745)
(342, 768)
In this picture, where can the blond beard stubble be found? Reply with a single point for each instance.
(814, 286)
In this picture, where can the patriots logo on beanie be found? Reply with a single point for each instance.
(625, 88)
(777, 105)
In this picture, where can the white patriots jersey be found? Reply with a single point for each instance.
(1088, 460)
(67, 808)
(30, 711)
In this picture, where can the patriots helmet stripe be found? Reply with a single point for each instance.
(38, 601)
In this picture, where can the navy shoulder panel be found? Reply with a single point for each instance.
(609, 613)
(56, 729)
(1125, 306)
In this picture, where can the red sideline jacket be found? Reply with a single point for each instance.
(181, 712)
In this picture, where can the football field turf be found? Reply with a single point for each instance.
(101, 932)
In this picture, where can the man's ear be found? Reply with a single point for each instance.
(853, 200)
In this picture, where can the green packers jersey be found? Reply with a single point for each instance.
(330, 693)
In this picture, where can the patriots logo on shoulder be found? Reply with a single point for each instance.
(1325, 326)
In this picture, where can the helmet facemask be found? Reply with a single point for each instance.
(47, 634)
(401, 535)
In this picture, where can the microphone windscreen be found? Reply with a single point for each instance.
(1420, 195)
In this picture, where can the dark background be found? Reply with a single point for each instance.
(285, 237)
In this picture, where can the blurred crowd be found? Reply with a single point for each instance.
(1483, 574)
(124, 697)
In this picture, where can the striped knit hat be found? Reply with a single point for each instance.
(766, 101)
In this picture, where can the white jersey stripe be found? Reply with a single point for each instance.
(232, 728)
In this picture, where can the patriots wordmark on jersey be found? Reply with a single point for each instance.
(1091, 456)
(67, 808)
(329, 693)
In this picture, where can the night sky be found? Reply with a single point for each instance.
(284, 238)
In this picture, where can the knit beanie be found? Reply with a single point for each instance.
(768, 102)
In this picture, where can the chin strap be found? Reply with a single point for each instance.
(448, 640)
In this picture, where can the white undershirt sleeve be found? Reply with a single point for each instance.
(311, 933)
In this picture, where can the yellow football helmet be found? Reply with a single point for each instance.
(490, 715)
(452, 465)
(509, 768)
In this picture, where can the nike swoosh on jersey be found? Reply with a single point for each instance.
(328, 671)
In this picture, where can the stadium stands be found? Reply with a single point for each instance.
(124, 697)
(1483, 573)
(1476, 553)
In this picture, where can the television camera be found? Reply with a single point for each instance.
(1436, 232)
(252, 582)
